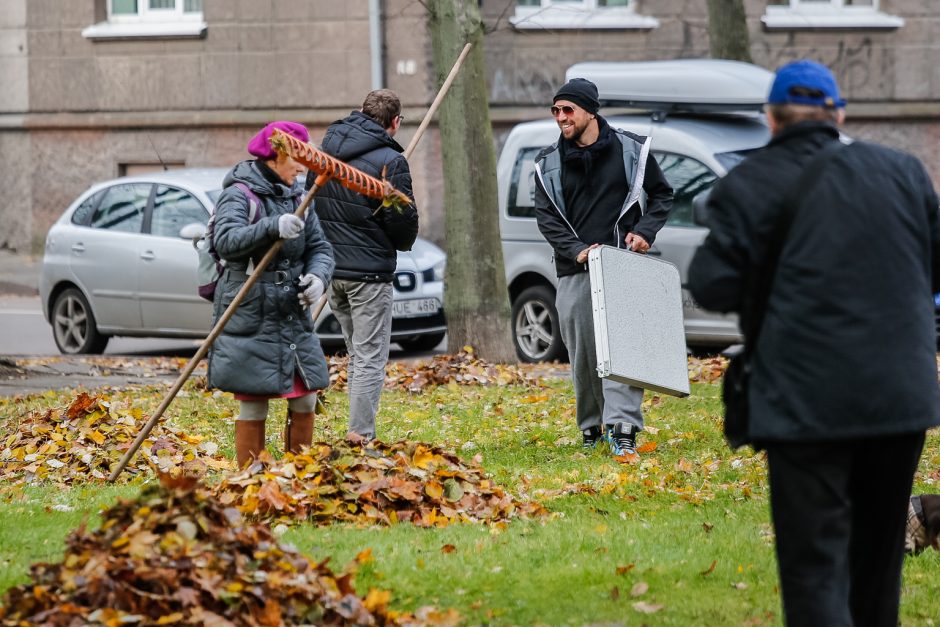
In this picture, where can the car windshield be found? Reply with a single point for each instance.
(733, 158)
(214, 195)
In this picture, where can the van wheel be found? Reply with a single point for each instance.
(535, 329)
(74, 327)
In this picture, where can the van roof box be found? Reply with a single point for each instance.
(693, 85)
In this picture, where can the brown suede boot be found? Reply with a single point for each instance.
(299, 431)
(249, 440)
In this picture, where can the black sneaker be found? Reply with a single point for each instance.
(591, 435)
(622, 439)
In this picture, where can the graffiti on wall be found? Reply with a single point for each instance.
(863, 69)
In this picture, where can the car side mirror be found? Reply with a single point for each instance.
(700, 212)
(193, 231)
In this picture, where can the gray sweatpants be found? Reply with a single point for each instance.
(364, 311)
(599, 401)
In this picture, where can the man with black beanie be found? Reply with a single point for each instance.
(596, 185)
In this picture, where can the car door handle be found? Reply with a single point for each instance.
(655, 252)
(78, 247)
(148, 255)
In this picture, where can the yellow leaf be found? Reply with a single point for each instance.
(169, 619)
(377, 599)
(97, 437)
(435, 490)
(534, 398)
(422, 457)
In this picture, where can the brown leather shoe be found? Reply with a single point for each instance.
(299, 431)
(249, 440)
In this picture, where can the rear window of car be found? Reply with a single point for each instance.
(122, 208)
(82, 214)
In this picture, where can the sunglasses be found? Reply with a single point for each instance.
(566, 109)
(401, 119)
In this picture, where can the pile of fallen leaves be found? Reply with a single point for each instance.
(175, 556)
(707, 369)
(85, 440)
(464, 368)
(371, 483)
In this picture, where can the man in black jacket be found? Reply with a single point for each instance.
(844, 374)
(365, 236)
(595, 185)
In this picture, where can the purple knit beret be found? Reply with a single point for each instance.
(260, 145)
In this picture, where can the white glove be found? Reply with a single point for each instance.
(289, 226)
(313, 290)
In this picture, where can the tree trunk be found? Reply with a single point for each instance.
(727, 30)
(476, 299)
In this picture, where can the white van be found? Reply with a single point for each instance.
(703, 116)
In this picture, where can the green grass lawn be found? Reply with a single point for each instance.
(682, 538)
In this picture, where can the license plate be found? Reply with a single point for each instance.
(415, 307)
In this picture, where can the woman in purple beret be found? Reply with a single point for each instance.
(268, 348)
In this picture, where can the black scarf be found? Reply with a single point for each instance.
(571, 153)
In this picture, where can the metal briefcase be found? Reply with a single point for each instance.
(638, 326)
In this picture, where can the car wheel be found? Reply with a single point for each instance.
(73, 325)
(422, 342)
(535, 329)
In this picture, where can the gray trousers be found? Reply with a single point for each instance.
(364, 311)
(599, 401)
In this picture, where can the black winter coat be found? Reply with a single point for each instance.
(847, 348)
(364, 242)
(270, 337)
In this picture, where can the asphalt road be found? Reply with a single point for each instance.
(24, 333)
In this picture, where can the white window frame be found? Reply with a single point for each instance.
(801, 14)
(149, 23)
(579, 14)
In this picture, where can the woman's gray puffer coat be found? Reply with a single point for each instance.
(270, 337)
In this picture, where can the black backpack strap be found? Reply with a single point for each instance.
(761, 282)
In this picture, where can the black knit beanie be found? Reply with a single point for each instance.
(580, 91)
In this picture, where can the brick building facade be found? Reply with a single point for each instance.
(96, 88)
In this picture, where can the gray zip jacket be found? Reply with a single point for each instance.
(644, 209)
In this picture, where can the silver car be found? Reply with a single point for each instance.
(120, 261)
(703, 120)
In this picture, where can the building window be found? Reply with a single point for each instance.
(800, 14)
(150, 19)
(575, 14)
(154, 10)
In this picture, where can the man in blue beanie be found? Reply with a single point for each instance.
(596, 185)
(830, 254)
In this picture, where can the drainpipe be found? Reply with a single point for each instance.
(375, 42)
